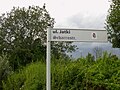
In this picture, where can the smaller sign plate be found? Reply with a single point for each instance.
(83, 35)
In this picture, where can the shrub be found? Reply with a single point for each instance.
(5, 69)
(31, 77)
(82, 74)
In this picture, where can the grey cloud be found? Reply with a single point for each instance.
(89, 22)
(86, 21)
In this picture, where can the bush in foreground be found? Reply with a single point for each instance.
(82, 74)
(31, 77)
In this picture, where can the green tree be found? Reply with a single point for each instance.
(23, 35)
(113, 23)
(22, 32)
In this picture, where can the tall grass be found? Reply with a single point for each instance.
(82, 74)
(31, 77)
(5, 68)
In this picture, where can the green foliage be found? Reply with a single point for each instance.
(113, 23)
(82, 74)
(23, 36)
(5, 68)
(59, 49)
(30, 78)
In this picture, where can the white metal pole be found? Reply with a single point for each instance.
(48, 68)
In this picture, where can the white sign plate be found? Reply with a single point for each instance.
(82, 35)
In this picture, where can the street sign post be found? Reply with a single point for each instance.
(76, 35)
(48, 73)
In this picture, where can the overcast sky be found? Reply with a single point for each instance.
(67, 13)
